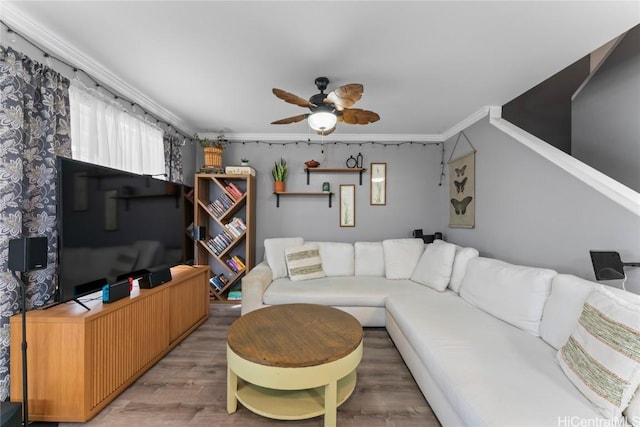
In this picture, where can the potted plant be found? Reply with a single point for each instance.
(244, 161)
(213, 151)
(279, 174)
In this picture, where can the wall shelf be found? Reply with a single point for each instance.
(335, 170)
(302, 193)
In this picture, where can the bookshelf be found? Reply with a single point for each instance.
(226, 206)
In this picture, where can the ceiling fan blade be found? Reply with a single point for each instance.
(345, 96)
(358, 116)
(293, 119)
(291, 98)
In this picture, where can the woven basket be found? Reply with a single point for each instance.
(213, 157)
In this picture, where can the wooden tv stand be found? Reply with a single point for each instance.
(79, 360)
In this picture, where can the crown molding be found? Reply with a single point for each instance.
(466, 122)
(51, 43)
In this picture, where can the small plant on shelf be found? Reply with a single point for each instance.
(279, 174)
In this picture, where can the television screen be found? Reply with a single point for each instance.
(112, 223)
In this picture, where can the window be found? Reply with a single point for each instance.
(102, 132)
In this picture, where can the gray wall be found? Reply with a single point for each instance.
(413, 193)
(606, 115)
(529, 211)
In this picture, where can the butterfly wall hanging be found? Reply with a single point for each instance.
(462, 188)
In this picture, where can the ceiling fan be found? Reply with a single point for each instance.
(327, 109)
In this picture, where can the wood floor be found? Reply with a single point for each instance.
(188, 388)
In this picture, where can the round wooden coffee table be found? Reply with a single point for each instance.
(293, 361)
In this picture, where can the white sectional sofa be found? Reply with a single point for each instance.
(489, 343)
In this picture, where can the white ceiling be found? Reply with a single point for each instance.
(425, 65)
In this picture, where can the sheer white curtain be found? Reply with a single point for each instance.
(104, 134)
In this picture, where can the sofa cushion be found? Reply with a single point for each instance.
(460, 262)
(513, 293)
(401, 257)
(304, 262)
(337, 258)
(369, 259)
(602, 355)
(563, 307)
(434, 267)
(274, 253)
(364, 291)
(492, 373)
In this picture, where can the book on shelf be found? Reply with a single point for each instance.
(239, 170)
(216, 284)
(235, 295)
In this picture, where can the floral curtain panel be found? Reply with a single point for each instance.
(34, 128)
(173, 158)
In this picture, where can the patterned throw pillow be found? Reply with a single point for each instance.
(602, 355)
(304, 262)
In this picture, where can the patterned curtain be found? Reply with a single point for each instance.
(34, 128)
(173, 157)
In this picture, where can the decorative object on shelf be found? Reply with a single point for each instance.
(347, 205)
(279, 174)
(378, 187)
(462, 188)
(352, 162)
(312, 164)
(359, 160)
(326, 186)
(213, 152)
(244, 162)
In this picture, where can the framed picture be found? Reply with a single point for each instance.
(110, 210)
(347, 205)
(80, 191)
(462, 191)
(378, 193)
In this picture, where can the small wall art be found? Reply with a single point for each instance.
(378, 192)
(347, 205)
(462, 191)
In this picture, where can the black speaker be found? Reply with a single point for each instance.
(417, 233)
(10, 414)
(116, 291)
(156, 277)
(27, 253)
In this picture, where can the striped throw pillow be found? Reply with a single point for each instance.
(602, 355)
(304, 262)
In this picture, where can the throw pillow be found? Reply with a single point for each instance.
(602, 355)
(304, 262)
(369, 259)
(435, 266)
(274, 254)
(337, 258)
(460, 262)
(513, 293)
(401, 257)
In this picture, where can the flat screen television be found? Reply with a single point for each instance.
(113, 223)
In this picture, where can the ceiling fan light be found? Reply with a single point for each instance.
(322, 121)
